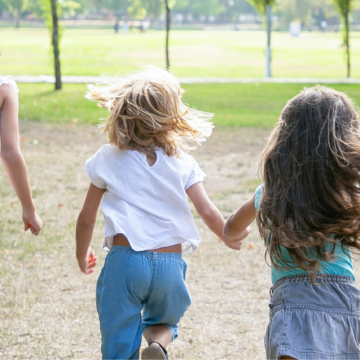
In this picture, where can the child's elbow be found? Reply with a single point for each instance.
(85, 221)
(209, 215)
(10, 155)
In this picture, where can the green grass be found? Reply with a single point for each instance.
(253, 105)
(193, 53)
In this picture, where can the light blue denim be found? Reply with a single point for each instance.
(314, 322)
(340, 265)
(134, 291)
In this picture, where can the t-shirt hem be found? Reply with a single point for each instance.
(108, 243)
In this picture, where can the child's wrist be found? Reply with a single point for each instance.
(29, 209)
(81, 255)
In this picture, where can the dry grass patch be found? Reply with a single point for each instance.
(47, 307)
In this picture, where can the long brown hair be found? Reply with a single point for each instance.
(311, 172)
(147, 112)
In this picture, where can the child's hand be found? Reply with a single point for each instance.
(86, 265)
(234, 245)
(245, 233)
(33, 222)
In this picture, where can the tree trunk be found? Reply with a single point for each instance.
(17, 18)
(346, 38)
(268, 47)
(168, 19)
(55, 43)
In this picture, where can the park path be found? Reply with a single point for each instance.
(67, 79)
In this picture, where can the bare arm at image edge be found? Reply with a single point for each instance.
(209, 213)
(12, 158)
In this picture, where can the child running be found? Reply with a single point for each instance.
(308, 214)
(11, 156)
(143, 177)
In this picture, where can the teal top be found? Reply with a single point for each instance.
(340, 265)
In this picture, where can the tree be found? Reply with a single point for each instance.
(118, 7)
(207, 7)
(167, 28)
(156, 9)
(50, 11)
(137, 10)
(264, 7)
(55, 43)
(344, 8)
(16, 8)
(292, 10)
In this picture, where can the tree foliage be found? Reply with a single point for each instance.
(295, 10)
(260, 5)
(16, 8)
(344, 7)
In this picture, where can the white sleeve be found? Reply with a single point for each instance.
(94, 169)
(10, 81)
(196, 174)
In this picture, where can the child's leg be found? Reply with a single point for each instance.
(167, 301)
(159, 334)
(123, 283)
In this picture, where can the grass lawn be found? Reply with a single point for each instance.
(252, 105)
(193, 53)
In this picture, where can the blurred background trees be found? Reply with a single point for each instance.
(312, 14)
(124, 15)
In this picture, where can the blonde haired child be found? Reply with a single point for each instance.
(143, 177)
(11, 156)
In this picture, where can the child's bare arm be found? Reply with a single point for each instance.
(238, 223)
(85, 227)
(209, 213)
(12, 159)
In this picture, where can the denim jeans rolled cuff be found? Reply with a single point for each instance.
(174, 329)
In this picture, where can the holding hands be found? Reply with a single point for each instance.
(236, 243)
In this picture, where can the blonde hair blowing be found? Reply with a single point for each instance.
(147, 113)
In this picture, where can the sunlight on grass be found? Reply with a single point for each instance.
(251, 105)
(192, 53)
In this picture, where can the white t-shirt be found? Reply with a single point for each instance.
(147, 204)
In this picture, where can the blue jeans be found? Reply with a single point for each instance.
(133, 282)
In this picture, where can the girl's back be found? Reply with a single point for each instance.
(341, 265)
(153, 197)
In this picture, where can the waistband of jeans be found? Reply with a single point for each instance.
(151, 254)
(319, 279)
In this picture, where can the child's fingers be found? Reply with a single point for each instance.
(35, 231)
(27, 226)
(90, 266)
(92, 262)
(234, 245)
